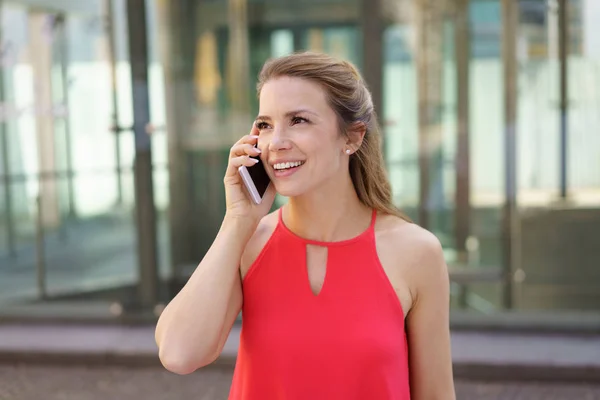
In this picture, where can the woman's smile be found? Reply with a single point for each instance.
(282, 168)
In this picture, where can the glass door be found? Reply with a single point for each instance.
(64, 238)
(442, 119)
(29, 200)
(559, 214)
(33, 139)
(92, 251)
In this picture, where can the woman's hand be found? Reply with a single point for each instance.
(238, 201)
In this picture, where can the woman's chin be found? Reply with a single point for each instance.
(287, 190)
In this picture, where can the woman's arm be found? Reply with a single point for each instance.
(428, 323)
(193, 327)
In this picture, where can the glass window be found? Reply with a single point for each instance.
(69, 230)
(68, 150)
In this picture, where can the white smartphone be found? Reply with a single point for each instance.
(256, 180)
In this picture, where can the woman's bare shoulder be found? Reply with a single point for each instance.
(403, 234)
(410, 247)
(259, 239)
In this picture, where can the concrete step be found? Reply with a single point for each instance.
(476, 355)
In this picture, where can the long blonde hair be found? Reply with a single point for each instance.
(351, 100)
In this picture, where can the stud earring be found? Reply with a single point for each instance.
(348, 151)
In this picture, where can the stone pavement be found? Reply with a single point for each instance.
(27, 382)
(476, 355)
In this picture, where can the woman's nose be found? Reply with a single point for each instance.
(279, 140)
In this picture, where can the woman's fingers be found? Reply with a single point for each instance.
(244, 149)
(241, 152)
(239, 161)
(252, 139)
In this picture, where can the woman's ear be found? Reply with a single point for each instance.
(355, 135)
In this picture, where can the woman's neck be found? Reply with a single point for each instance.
(329, 214)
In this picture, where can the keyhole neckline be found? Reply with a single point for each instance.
(344, 242)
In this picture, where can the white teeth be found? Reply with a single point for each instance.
(287, 165)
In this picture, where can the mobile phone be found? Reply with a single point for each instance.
(255, 179)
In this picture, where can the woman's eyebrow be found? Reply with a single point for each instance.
(287, 114)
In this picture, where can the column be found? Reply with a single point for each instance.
(509, 215)
(429, 57)
(144, 191)
(462, 47)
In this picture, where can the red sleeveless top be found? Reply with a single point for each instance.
(346, 343)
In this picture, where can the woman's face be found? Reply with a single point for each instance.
(299, 137)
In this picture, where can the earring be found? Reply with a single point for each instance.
(348, 151)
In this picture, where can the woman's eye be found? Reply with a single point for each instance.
(261, 125)
(298, 120)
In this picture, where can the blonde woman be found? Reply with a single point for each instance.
(342, 297)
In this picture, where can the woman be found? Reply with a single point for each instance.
(341, 296)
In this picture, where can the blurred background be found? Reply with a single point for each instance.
(116, 117)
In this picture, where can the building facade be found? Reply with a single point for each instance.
(117, 118)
